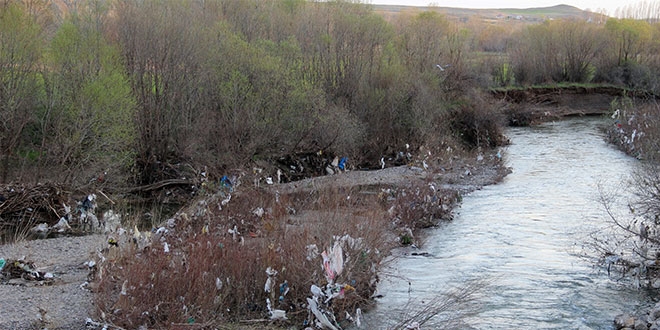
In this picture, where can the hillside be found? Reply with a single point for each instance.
(504, 15)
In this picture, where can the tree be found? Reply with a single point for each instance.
(20, 51)
(423, 41)
(580, 43)
(630, 38)
(557, 51)
(88, 110)
(341, 42)
(265, 106)
(163, 44)
(534, 57)
(643, 10)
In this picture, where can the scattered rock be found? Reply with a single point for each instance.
(641, 325)
(624, 321)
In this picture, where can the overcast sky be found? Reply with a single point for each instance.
(594, 5)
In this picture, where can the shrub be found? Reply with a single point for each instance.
(420, 205)
(635, 128)
(215, 270)
(626, 247)
(519, 115)
(478, 124)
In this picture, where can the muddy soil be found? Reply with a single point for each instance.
(536, 105)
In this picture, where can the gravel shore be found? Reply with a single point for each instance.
(60, 305)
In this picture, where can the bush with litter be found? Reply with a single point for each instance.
(240, 257)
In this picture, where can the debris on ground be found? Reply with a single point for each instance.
(21, 272)
(43, 211)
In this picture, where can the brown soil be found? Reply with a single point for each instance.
(567, 100)
(539, 104)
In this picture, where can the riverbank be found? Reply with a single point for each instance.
(452, 176)
(67, 302)
(535, 105)
(525, 237)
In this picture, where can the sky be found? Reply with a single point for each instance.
(594, 5)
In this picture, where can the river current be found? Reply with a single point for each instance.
(522, 239)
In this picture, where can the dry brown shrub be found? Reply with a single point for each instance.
(478, 123)
(419, 205)
(635, 128)
(208, 279)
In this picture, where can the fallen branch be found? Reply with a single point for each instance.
(160, 185)
(106, 197)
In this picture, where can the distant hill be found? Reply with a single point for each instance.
(529, 15)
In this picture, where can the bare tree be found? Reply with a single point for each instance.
(629, 247)
(580, 44)
(162, 43)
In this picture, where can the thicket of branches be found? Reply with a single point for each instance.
(97, 85)
(620, 52)
(629, 248)
(135, 85)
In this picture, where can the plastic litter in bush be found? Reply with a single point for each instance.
(269, 282)
(342, 163)
(275, 314)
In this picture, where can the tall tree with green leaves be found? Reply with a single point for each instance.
(20, 52)
(88, 108)
(630, 37)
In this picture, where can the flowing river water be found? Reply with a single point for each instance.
(522, 238)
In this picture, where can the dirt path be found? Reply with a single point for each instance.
(461, 177)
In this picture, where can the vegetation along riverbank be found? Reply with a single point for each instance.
(232, 164)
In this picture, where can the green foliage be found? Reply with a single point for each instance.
(503, 75)
(89, 106)
(630, 37)
(20, 50)
(423, 41)
(405, 239)
(30, 155)
(262, 97)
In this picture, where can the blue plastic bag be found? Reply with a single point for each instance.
(342, 163)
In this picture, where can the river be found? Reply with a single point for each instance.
(522, 238)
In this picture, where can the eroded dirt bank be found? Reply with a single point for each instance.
(535, 105)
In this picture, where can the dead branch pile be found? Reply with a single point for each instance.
(21, 205)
